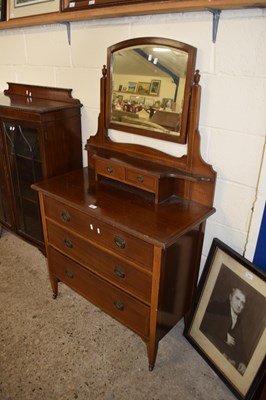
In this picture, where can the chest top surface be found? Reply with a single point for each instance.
(126, 209)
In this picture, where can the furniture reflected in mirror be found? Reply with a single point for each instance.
(150, 80)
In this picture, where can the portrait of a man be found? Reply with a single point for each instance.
(234, 319)
(222, 325)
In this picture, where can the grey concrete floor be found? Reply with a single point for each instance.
(67, 349)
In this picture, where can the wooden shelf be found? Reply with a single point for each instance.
(131, 10)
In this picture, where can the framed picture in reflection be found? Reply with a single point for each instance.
(143, 88)
(155, 87)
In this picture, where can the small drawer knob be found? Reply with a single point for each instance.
(140, 179)
(65, 216)
(119, 305)
(69, 274)
(119, 272)
(68, 243)
(119, 242)
(109, 169)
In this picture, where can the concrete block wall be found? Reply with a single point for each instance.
(233, 79)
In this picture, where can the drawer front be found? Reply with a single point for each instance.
(109, 169)
(123, 307)
(143, 181)
(91, 228)
(112, 268)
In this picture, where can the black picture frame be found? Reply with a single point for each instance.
(2, 10)
(237, 355)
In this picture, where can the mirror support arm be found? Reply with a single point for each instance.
(215, 22)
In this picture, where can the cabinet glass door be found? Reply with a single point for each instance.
(5, 201)
(26, 168)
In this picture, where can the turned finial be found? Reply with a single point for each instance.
(104, 70)
(196, 77)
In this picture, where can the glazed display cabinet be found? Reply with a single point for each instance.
(40, 137)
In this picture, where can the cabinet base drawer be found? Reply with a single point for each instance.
(123, 307)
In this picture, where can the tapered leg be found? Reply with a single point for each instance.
(152, 348)
(54, 283)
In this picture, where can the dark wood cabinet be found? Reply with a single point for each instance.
(40, 136)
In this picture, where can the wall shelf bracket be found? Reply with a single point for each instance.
(215, 22)
(68, 28)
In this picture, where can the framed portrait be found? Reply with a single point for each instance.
(227, 325)
(26, 8)
(143, 88)
(2, 10)
(155, 87)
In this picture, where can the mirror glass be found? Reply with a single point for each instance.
(149, 85)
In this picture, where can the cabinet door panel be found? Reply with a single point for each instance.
(23, 152)
(5, 201)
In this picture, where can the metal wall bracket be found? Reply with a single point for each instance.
(215, 22)
(68, 28)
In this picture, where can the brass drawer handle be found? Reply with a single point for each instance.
(109, 169)
(119, 305)
(65, 216)
(140, 179)
(119, 242)
(68, 243)
(69, 274)
(119, 272)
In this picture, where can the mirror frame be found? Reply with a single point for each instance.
(156, 41)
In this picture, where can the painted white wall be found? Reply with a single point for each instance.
(233, 79)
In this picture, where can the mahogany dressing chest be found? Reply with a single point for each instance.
(126, 232)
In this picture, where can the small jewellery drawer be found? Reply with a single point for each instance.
(102, 263)
(131, 176)
(105, 235)
(116, 303)
(141, 180)
(109, 168)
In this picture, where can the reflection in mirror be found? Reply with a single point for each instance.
(149, 85)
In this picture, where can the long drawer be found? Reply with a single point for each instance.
(91, 228)
(123, 307)
(130, 278)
